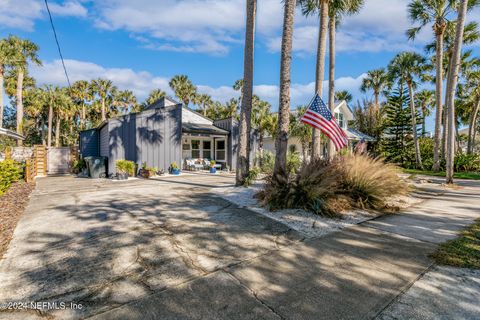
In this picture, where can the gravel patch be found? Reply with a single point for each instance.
(310, 224)
(442, 293)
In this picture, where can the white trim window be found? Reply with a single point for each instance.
(195, 149)
(220, 150)
(340, 119)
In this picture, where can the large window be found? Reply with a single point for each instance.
(339, 117)
(207, 149)
(220, 150)
(195, 149)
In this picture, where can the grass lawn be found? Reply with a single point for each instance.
(461, 252)
(458, 175)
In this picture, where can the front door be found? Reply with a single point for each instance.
(220, 150)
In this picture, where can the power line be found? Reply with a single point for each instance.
(58, 44)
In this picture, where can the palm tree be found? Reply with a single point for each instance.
(104, 89)
(204, 100)
(25, 51)
(7, 54)
(436, 12)
(81, 93)
(280, 174)
(183, 88)
(453, 80)
(375, 80)
(425, 99)
(472, 102)
(125, 100)
(406, 67)
(319, 7)
(243, 153)
(301, 131)
(337, 9)
(262, 122)
(153, 96)
(343, 95)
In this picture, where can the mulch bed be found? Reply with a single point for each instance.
(12, 205)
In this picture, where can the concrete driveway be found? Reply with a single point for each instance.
(168, 249)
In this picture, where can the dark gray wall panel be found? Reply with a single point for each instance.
(89, 143)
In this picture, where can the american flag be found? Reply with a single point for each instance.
(320, 117)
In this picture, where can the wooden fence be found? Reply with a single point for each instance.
(36, 166)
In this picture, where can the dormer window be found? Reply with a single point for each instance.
(339, 117)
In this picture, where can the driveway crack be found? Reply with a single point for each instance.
(254, 294)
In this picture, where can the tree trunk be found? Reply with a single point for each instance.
(320, 71)
(424, 111)
(20, 104)
(84, 115)
(243, 154)
(453, 79)
(1, 96)
(260, 147)
(471, 129)
(438, 100)
(331, 78)
(418, 156)
(57, 131)
(280, 174)
(104, 116)
(42, 130)
(445, 110)
(50, 125)
(305, 150)
(377, 103)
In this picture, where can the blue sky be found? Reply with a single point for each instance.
(141, 44)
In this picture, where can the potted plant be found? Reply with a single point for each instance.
(212, 166)
(174, 169)
(125, 169)
(146, 172)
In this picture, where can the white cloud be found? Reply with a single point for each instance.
(21, 14)
(68, 8)
(142, 82)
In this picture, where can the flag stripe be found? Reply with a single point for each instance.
(320, 117)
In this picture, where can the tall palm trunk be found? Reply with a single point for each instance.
(20, 104)
(438, 97)
(243, 155)
(260, 147)
(57, 130)
(377, 103)
(104, 116)
(331, 76)
(320, 70)
(424, 111)
(50, 125)
(445, 110)
(42, 130)
(453, 80)
(84, 116)
(471, 129)
(418, 156)
(280, 174)
(1, 95)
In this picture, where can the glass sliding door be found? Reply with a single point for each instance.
(207, 149)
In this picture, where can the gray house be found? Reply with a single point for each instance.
(164, 133)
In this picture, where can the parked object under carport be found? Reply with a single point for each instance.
(96, 167)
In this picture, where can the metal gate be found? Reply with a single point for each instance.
(58, 160)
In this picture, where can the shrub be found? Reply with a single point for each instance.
(10, 171)
(467, 162)
(266, 162)
(293, 162)
(78, 165)
(125, 166)
(252, 176)
(329, 187)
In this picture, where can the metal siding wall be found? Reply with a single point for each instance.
(89, 143)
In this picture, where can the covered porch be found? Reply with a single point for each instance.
(202, 143)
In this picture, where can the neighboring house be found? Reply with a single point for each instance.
(343, 114)
(165, 132)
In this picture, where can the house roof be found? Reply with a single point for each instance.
(353, 134)
(11, 134)
(197, 128)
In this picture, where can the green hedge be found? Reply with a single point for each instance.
(10, 171)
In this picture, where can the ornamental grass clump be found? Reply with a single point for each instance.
(328, 187)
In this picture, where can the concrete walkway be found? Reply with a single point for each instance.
(170, 250)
